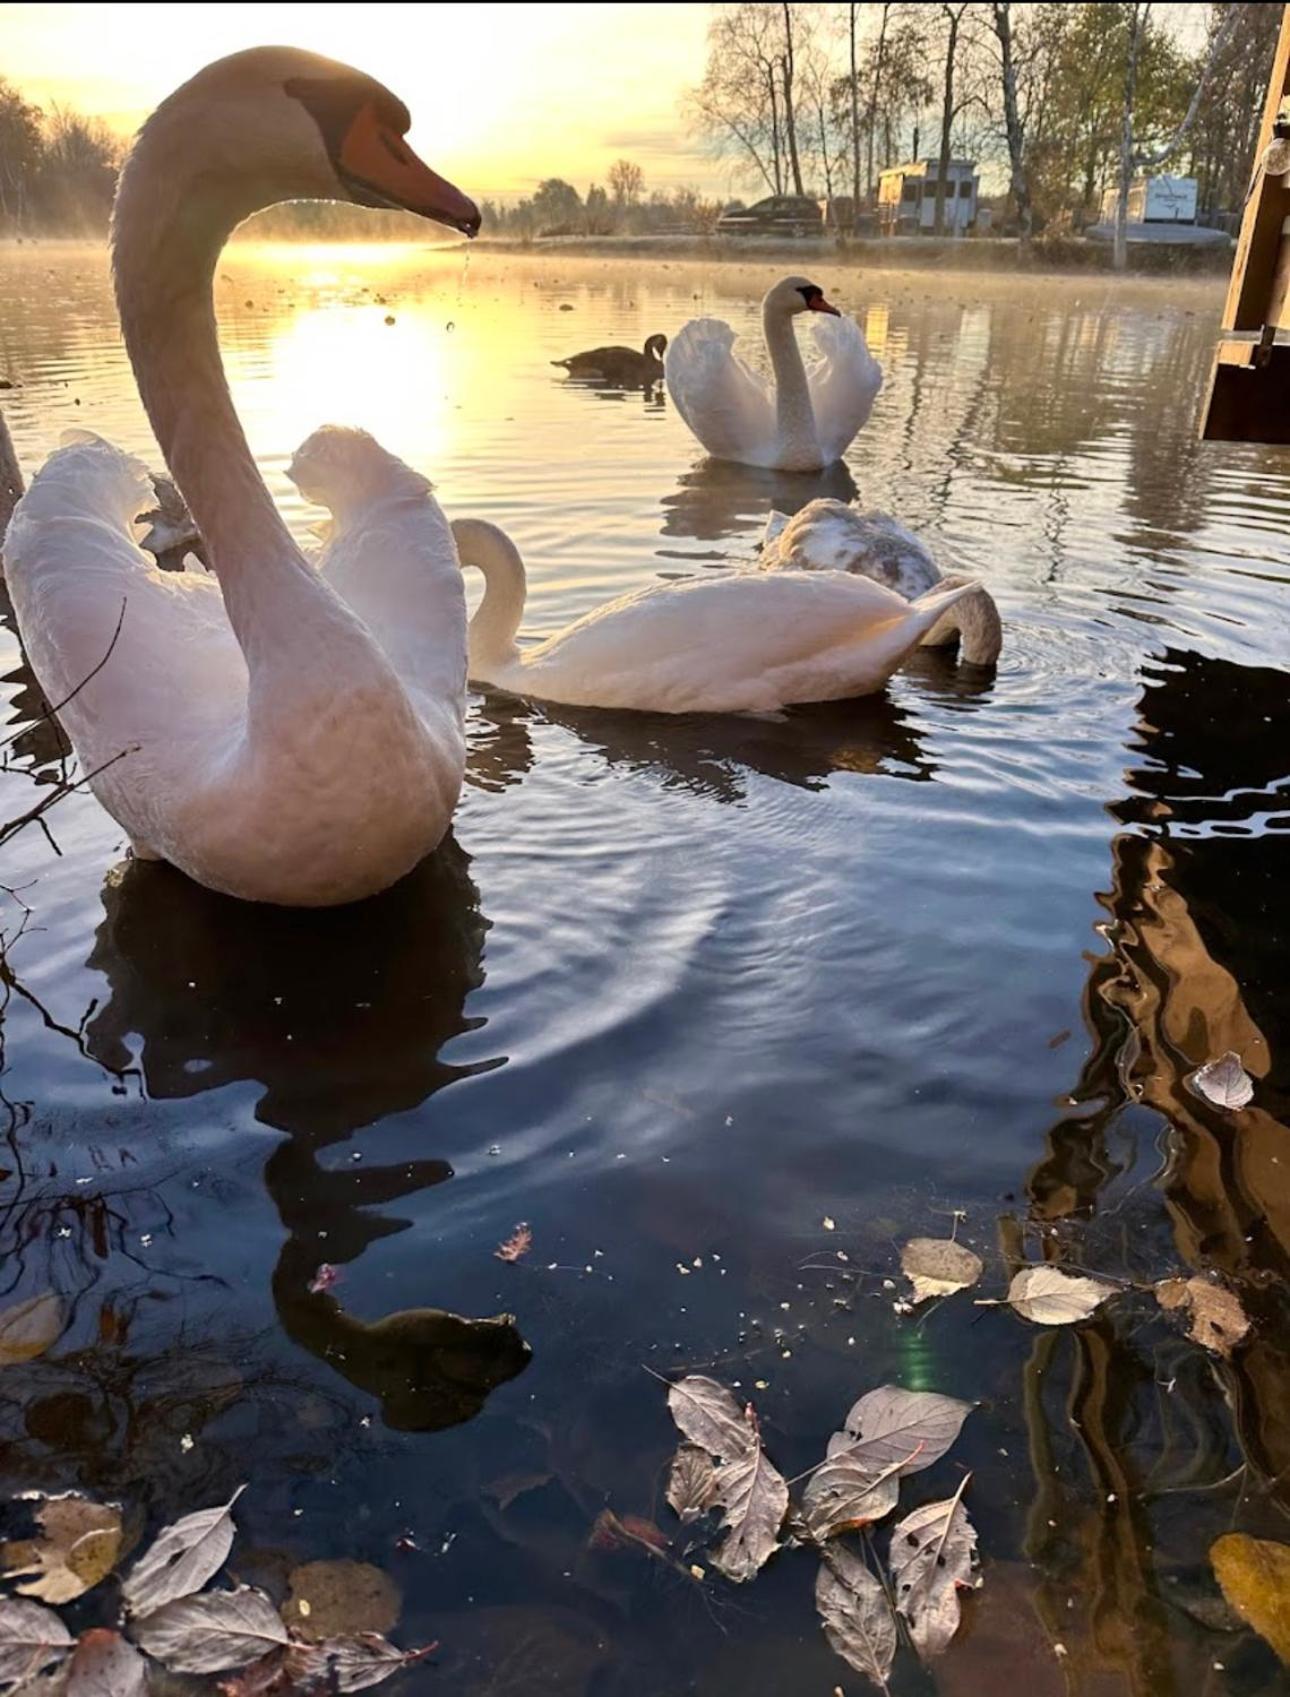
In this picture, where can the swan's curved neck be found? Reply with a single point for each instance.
(497, 618)
(795, 417)
(168, 227)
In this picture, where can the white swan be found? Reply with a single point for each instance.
(252, 727)
(832, 536)
(807, 420)
(737, 642)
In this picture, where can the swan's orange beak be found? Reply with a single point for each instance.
(817, 303)
(379, 168)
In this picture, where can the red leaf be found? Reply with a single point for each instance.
(516, 1245)
(324, 1278)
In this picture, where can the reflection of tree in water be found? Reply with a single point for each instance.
(1176, 1443)
(341, 1016)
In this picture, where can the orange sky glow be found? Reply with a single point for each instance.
(501, 95)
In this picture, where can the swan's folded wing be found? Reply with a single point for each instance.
(844, 383)
(72, 566)
(724, 404)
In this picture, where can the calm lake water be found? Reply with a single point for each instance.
(683, 991)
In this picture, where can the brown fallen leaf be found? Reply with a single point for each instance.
(517, 1245)
(1255, 1576)
(1224, 1082)
(753, 1497)
(691, 1481)
(340, 1599)
(105, 1665)
(76, 1547)
(933, 1558)
(29, 1328)
(856, 1616)
(937, 1266)
(31, 1637)
(212, 1631)
(181, 1559)
(1217, 1319)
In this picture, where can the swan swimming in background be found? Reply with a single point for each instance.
(623, 367)
(833, 536)
(803, 422)
(737, 642)
(265, 729)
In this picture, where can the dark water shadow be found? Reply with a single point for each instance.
(714, 755)
(340, 1015)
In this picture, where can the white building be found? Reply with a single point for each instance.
(1155, 200)
(907, 197)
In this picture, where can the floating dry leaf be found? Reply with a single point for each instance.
(709, 1416)
(183, 1558)
(888, 1433)
(691, 1482)
(29, 1328)
(77, 1546)
(1255, 1576)
(753, 1496)
(517, 1244)
(937, 1266)
(31, 1638)
(1224, 1082)
(618, 1532)
(104, 1665)
(1054, 1298)
(218, 1630)
(1217, 1319)
(349, 1664)
(856, 1615)
(933, 1558)
(340, 1599)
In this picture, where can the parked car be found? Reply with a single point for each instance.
(777, 215)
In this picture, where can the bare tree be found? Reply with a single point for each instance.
(787, 66)
(626, 181)
(853, 11)
(954, 20)
(737, 105)
(1131, 161)
(875, 88)
(1012, 121)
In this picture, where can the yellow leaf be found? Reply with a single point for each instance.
(1255, 1576)
(29, 1328)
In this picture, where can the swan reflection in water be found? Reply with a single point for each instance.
(719, 499)
(340, 1015)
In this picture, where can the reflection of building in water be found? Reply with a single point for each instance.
(340, 1015)
(1197, 914)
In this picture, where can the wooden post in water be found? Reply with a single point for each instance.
(1249, 397)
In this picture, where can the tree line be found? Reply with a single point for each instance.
(622, 208)
(1067, 100)
(57, 169)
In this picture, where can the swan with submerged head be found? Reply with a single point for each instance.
(272, 732)
(803, 422)
(835, 536)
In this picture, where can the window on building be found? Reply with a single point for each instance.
(909, 191)
(965, 191)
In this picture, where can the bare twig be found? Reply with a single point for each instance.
(57, 707)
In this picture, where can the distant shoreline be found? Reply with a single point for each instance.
(900, 253)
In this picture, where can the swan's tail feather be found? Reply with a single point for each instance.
(930, 608)
(775, 526)
(564, 364)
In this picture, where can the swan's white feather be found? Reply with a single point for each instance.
(738, 642)
(844, 384)
(727, 406)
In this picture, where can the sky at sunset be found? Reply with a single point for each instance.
(500, 95)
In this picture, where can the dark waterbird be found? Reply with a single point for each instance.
(623, 368)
